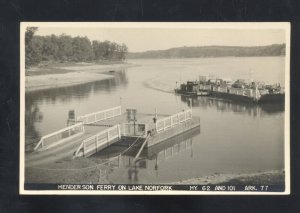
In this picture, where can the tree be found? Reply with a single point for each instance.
(50, 48)
(124, 51)
(82, 49)
(109, 50)
(29, 50)
(65, 49)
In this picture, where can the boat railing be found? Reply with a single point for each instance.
(173, 120)
(100, 115)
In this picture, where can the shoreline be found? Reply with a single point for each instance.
(85, 170)
(267, 177)
(71, 75)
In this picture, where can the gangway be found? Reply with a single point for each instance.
(61, 136)
(77, 129)
(99, 141)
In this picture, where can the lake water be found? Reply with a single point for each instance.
(233, 137)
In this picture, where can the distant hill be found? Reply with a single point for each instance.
(212, 51)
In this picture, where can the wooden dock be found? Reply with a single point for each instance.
(93, 132)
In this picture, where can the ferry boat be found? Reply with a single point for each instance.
(239, 90)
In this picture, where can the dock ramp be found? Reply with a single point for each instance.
(99, 141)
(61, 136)
(76, 130)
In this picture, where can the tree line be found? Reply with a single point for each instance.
(65, 48)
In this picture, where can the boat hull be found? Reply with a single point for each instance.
(198, 93)
(268, 98)
(232, 97)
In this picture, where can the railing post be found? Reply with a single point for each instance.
(119, 160)
(83, 148)
(119, 131)
(146, 130)
(96, 143)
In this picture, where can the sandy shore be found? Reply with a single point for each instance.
(69, 75)
(266, 177)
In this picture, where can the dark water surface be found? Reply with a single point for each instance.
(233, 137)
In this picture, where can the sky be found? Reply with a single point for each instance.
(140, 39)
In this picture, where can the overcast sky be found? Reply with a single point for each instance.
(143, 39)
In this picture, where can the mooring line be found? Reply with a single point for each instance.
(121, 153)
(138, 154)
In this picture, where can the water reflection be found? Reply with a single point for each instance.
(150, 158)
(81, 91)
(254, 110)
(33, 99)
(32, 115)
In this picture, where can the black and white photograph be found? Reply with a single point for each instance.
(135, 108)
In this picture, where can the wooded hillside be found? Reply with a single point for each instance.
(212, 51)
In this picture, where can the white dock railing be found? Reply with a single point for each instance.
(100, 115)
(60, 136)
(173, 120)
(94, 142)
